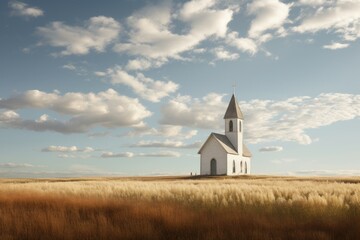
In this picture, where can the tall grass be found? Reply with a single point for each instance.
(180, 209)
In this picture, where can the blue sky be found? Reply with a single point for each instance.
(134, 87)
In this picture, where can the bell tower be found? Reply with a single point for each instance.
(234, 128)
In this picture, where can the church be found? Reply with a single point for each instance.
(227, 154)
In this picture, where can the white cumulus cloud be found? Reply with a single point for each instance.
(266, 120)
(271, 149)
(151, 34)
(85, 111)
(23, 9)
(63, 149)
(269, 14)
(335, 46)
(96, 34)
(147, 88)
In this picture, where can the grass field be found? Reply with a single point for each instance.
(257, 207)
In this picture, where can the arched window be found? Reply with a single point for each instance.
(234, 169)
(231, 126)
(213, 167)
(239, 126)
(241, 166)
(245, 167)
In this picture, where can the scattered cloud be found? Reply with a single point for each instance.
(98, 134)
(97, 33)
(117, 155)
(166, 144)
(163, 131)
(194, 112)
(265, 120)
(16, 165)
(339, 17)
(312, 2)
(69, 66)
(151, 35)
(269, 15)
(320, 172)
(130, 154)
(222, 54)
(67, 149)
(335, 46)
(282, 161)
(160, 154)
(243, 44)
(147, 88)
(271, 149)
(86, 110)
(24, 10)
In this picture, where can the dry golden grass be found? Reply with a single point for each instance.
(180, 208)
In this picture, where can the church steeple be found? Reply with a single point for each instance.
(234, 124)
(233, 110)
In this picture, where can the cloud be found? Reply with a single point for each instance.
(69, 66)
(24, 10)
(130, 154)
(163, 131)
(15, 165)
(143, 64)
(117, 155)
(151, 35)
(243, 44)
(269, 14)
(160, 154)
(194, 112)
(97, 33)
(321, 172)
(341, 18)
(312, 2)
(67, 149)
(222, 54)
(335, 46)
(265, 120)
(271, 149)
(86, 110)
(166, 144)
(147, 88)
(282, 161)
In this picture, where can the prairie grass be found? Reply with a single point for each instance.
(158, 208)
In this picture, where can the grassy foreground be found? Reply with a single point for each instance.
(180, 208)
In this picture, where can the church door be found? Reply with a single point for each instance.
(213, 167)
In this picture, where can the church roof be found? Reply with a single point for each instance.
(233, 110)
(227, 145)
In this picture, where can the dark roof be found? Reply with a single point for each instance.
(233, 110)
(226, 145)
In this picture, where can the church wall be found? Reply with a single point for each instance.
(211, 150)
(238, 170)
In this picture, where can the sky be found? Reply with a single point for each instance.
(132, 87)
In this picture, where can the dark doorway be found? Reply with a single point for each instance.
(213, 167)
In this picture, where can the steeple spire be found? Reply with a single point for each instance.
(233, 110)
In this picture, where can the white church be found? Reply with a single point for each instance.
(226, 154)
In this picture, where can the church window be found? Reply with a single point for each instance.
(234, 166)
(239, 126)
(241, 166)
(231, 126)
(245, 167)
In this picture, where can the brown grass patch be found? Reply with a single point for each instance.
(27, 212)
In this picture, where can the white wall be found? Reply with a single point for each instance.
(236, 136)
(211, 150)
(238, 170)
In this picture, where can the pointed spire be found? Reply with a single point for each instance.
(233, 110)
